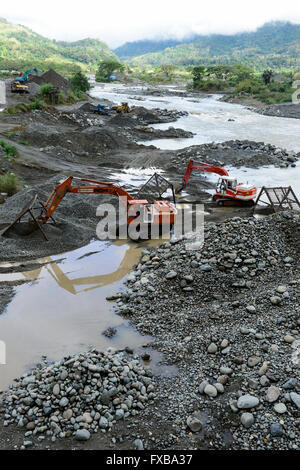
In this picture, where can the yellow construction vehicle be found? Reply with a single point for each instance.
(123, 108)
(18, 87)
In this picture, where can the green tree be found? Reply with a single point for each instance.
(198, 74)
(167, 69)
(80, 82)
(267, 75)
(106, 69)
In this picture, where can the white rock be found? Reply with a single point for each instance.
(280, 408)
(211, 391)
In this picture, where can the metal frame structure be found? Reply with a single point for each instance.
(279, 198)
(156, 183)
(29, 208)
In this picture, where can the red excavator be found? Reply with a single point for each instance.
(160, 213)
(228, 190)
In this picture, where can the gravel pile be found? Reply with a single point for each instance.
(228, 316)
(78, 395)
(56, 80)
(75, 217)
(156, 115)
(288, 110)
(237, 153)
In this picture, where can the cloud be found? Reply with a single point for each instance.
(119, 21)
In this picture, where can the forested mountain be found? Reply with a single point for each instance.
(275, 44)
(22, 48)
(136, 48)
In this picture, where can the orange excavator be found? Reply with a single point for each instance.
(228, 190)
(160, 213)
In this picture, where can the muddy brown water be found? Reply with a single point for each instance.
(62, 309)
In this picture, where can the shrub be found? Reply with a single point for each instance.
(71, 98)
(37, 104)
(10, 183)
(10, 150)
(45, 90)
(25, 107)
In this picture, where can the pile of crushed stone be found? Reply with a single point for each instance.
(57, 80)
(78, 395)
(75, 217)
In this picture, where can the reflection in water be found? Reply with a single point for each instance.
(63, 310)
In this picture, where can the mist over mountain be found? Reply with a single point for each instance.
(273, 44)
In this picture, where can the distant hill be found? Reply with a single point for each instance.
(21, 48)
(88, 51)
(275, 44)
(136, 48)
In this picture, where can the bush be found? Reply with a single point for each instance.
(10, 183)
(46, 90)
(250, 86)
(210, 85)
(71, 98)
(37, 104)
(25, 107)
(23, 142)
(10, 150)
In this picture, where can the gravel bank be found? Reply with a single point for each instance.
(231, 325)
(286, 110)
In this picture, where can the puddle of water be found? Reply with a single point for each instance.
(135, 176)
(63, 310)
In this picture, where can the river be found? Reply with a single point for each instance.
(208, 119)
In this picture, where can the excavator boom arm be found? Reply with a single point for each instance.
(97, 187)
(202, 167)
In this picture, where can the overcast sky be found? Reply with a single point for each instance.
(118, 21)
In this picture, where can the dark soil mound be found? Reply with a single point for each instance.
(57, 80)
(75, 217)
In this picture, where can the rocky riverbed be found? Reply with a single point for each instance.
(231, 325)
(285, 110)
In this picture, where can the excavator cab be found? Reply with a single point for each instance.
(226, 183)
